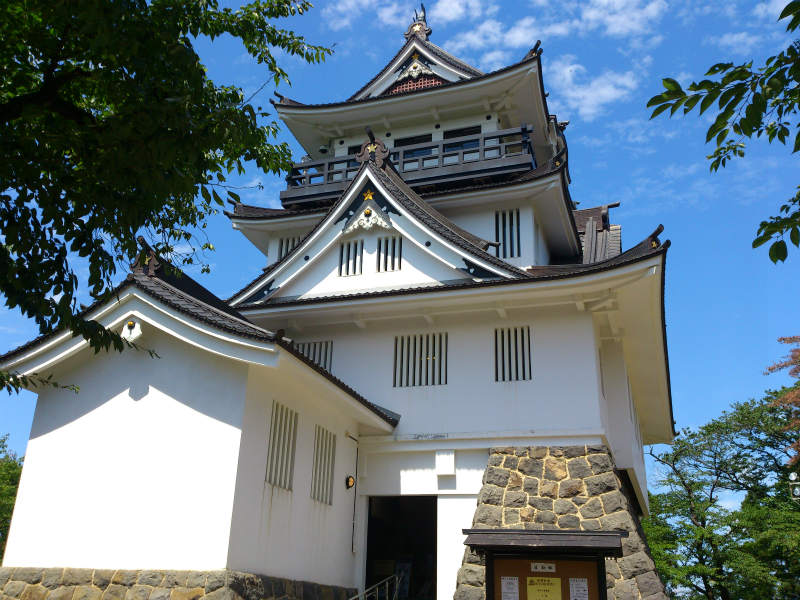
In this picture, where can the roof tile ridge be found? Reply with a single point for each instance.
(447, 55)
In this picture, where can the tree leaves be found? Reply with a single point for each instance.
(111, 128)
(750, 103)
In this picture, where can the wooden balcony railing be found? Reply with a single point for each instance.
(454, 159)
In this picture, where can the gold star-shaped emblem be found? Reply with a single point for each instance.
(415, 56)
(368, 195)
(372, 147)
(417, 27)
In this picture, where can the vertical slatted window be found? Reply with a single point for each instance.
(282, 442)
(351, 258)
(512, 354)
(324, 458)
(506, 233)
(320, 352)
(420, 359)
(286, 245)
(390, 254)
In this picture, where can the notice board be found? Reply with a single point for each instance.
(542, 579)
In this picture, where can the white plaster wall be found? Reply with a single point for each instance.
(453, 514)
(419, 267)
(562, 396)
(137, 470)
(287, 533)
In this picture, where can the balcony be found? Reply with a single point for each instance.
(444, 161)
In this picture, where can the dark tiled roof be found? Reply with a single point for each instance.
(599, 213)
(599, 238)
(247, 211)
(417, 206)
(174, 288)
(648, 248)
(440, 53)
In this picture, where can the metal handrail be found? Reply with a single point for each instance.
(373, 592)
(487, 146)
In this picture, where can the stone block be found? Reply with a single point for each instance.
(570, 488)
(496, 476)
(618, 521)
(138, 592)
(496, 460)
(65, 592)
(590, 525)
(28, 575)
(472, 575)
(474, 558)
(609, 582)
(592, 509)
(530, 485)
(159, 593)
(569, 522)
(184, 593)
(520, 452)
(468, 592)
(548, 489)
(126, 578)
(612, 568)
(555, 469)
(579, 468)
(596, 449)
(579, 500)
(625, 589)
(537, 451)
(196, 579)
(177, 579)
(488, 515)
(541, 503)
(14, 588)
(102, 577)
(503, 450)
(89, 592)
(511, 462)
(34, 591)
(600, 463)
(526, 514)
(114, 591)
(632, 544)
(514, 481)
(490, 494)
(151, 578)
(214, 580)
(511, 516)
(613, 501)
(515, 499)
(222, 593)
(556, 450)
(531, 466)
(5, 575)
(635, 564)
(564, 507)
(545, 516)
(77, 577)
(649, 584)
(573, 451)
(600, 484)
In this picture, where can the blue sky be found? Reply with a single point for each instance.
(603, 59)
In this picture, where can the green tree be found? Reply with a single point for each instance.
(10, 470)
(750, 102)
(703, 546)
(111, 128)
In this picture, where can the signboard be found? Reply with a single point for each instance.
(578, 588)
(509, 588)
(544, 578)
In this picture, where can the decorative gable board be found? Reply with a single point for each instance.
(413, 64)
(367, 212)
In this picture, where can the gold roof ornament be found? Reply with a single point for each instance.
(419, 26)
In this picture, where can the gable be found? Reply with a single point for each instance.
(418, 65)
(374, 208)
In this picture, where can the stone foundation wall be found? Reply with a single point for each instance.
(570, 487)
(102, 584)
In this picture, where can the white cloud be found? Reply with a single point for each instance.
(584, 95)
(446, 11)
(621, 18)
(738, 43)
(769, 10)
(342, 13)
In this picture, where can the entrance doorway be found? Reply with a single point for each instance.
(401, 540)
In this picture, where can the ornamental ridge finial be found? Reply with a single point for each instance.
(419, 26)
(373, 150)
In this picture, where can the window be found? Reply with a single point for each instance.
(322, 471)
(464, 131)
(354, 149)
(282, 440)
(420, 359)
(506, 232)
(320, 352)
(351, 258)
(285, 245)
(414, 139)
(463, 144)
(512, 354)
(390, 254)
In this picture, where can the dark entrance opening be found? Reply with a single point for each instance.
(401, 540)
